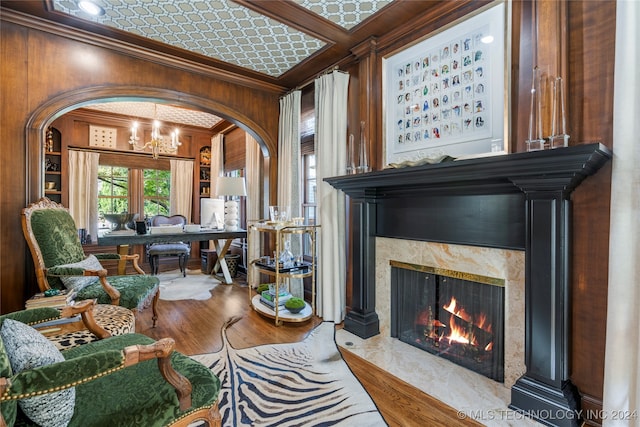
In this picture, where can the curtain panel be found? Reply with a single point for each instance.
(254, 205)
(289, 181)
(83, 190)
(331, 92)
(181, 191)
(621, 398)
(217, 161)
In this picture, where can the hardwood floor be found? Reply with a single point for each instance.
(196, 327)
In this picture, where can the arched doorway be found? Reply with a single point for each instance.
(67, 102)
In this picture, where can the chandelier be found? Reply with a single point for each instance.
(158, 143)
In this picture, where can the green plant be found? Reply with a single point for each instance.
(294, 303)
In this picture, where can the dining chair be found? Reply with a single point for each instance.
(168, 249)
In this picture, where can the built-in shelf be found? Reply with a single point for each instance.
(53, 164)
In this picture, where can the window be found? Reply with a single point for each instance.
(309, 196)
(309, 176)
(307, 151)
(157, 185)
(113, 192)
(123, 189)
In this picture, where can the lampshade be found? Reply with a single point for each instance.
(230, 186)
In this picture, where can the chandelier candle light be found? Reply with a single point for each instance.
(231, 187)
(158, 144)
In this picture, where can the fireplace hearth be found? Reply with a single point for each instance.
(457, 319)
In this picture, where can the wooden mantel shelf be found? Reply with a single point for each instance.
(494, 174)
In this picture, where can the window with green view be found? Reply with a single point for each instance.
(157, 185)
(142, 191)
(113, 190)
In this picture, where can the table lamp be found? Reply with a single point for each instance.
(231, 187)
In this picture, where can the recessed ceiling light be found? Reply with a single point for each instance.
(91, 8)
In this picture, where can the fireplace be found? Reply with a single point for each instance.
(519, 201)
(456, 316)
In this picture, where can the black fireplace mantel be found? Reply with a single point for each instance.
(514, 201)
(566, 167)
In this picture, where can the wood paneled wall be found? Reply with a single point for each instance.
(47, 73)
(591, 47)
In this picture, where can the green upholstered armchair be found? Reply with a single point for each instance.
(60, 262)
(125, 380)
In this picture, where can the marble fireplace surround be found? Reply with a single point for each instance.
(490, 262)
(515, 202)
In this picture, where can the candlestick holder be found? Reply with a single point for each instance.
(558, 137)
(535, 140)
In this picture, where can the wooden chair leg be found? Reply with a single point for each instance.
(182, 264)
(153, 260)
(154, 308)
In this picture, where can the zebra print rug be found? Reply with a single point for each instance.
(300, 384)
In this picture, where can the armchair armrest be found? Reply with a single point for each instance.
(117, 257)
(161, 350)
(86, 368)
(60, 271)
(62, 375)
(36, 316)
(85, 309)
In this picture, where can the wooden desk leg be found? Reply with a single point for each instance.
(221, 263)
(122, 264)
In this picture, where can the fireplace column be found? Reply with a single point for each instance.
(545, 390)
(363, 320)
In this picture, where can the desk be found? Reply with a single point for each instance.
(123, 239)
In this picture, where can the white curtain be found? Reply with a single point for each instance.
(254, 205)
(622, 358)
(217, 160)
(331, 135)
(181, 193)
(289, 188)
(83, 190)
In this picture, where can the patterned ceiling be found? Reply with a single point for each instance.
(225, 30)
(220, 29)
(161, 112)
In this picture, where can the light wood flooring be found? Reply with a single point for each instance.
(196, 327)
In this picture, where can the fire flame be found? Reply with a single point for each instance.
(452, 307)
(462, 326)
(459, 334)
(483, 323)
(480, 321)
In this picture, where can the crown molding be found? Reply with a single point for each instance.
(143, 53)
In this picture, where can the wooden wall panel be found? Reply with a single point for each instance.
(591, 69)
(45, 75)
(15, 285)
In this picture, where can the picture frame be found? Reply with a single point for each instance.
(446, 95)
